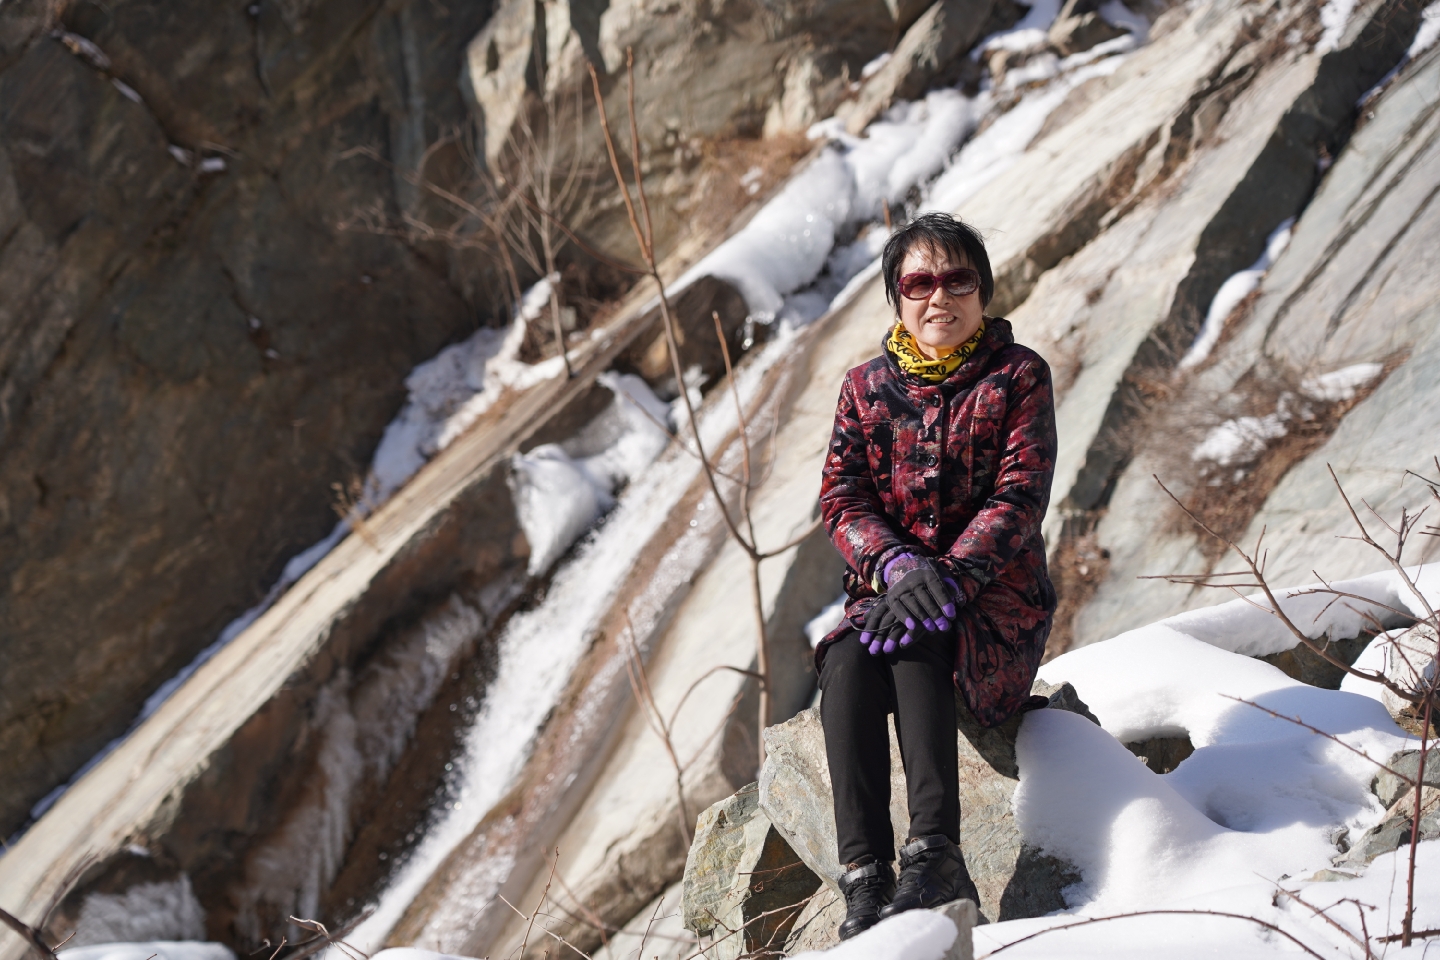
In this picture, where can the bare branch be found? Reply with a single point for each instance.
(1148, 913)
(549, 933)
(29, 933)
(1316, 730)
(1322, 915)
(1276, 610)
(1394, 561)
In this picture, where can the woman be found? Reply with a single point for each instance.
(933, 491)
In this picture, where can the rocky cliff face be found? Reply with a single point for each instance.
(191, 352)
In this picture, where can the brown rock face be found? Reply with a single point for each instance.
(191, 352)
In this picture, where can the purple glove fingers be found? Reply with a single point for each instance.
(949, 608)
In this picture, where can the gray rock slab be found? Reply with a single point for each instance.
(1390, 788)
(1014, 880)
(933, 47)
(1359, 282)
(1394, 831)
(740, 878)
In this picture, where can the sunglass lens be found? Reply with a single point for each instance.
(917, 286)
(961, 283)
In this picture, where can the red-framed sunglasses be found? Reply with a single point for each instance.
(957, 283)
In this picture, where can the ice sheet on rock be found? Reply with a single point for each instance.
(789, 241)
(1235, 289)
(915, 935)
(1341, 384)
(450, 391)
(785, 244)
(1000, 145)
(158, 949)
(539, 648)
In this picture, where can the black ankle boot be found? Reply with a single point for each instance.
(867, 889)
(932, 872)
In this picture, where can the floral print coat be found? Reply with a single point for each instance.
(958, 470)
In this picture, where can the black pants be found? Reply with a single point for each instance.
(915, 683)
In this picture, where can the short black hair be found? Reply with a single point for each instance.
(939, 231)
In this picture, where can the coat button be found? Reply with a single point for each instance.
(935, 400)
(931, 460)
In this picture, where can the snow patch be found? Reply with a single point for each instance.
(562, 489)
(914, 935)
(1239, 440)
(874, 66)
(156, 949)
(1341, 384)
(1030, 33)
(1235, 289)
(1334, 17)
(826, 620)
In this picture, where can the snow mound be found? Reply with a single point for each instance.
(562, 489)
(158, 949)
(1260, 800)
(917, 935)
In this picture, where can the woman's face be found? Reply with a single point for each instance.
(941, 322)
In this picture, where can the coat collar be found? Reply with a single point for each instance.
(998, 335)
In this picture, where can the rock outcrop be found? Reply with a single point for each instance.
(1398, 825)
(1354, 286)
(191, 352)
(740, 877)
(1014, 879)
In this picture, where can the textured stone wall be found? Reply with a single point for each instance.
(191, 352)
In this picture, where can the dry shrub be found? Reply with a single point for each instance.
(1077, 569)
(1226, 498)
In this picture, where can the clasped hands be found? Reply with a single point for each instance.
(919, 595)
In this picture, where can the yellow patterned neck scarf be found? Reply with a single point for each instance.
(907, 354)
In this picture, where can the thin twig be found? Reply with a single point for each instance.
(1322, 915)
(1275, 609)
(1146, 913)
(1408, 927)
(640, 686)
(549, 933)
(1394, 560)
(705, 676)
(1316, 730)
(31, 935)
(648, 253)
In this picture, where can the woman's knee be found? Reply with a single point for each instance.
(848, 663)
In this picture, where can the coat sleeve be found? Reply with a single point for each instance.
(850, 504)
(1012, 514)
